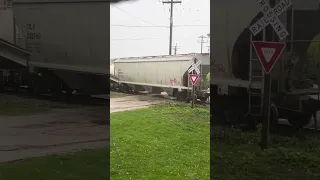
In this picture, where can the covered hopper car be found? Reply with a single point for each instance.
(237, 75)
(158, 74)
(66, 41)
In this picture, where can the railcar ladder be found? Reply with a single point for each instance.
(256, 75)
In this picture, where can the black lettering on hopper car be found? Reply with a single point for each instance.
(31, 26)
(33, 36)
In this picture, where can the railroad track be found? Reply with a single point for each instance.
(84, 100)
(157, 95)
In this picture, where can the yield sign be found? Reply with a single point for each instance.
(193, 78)
(268, 53)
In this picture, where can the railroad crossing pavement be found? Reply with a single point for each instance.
(55, 132)
(132, 102)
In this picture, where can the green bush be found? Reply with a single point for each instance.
(207, 81)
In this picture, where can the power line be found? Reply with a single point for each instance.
(133, 15)
(136, 39)
(142, 38)
(133, 26)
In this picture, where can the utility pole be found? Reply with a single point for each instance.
(175, 49)
(208, 35)
(171, 2)
(202, 41)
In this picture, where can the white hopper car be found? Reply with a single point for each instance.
(158, 74)
(236, 73)
(68, 41)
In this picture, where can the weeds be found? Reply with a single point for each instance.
(237, 154)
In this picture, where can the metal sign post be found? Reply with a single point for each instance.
(193, 96)
(268, 53)
(194, 76)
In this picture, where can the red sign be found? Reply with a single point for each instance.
(194, 78)
(268, 53)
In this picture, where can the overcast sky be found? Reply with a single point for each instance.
(130, 37)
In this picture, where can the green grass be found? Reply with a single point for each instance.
(116, 94)
(169, 141)
(88, 165)
(237, 156)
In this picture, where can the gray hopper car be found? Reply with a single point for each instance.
(67, 41)
(162, 74)
(237, 74)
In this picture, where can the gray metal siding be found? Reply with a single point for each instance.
(70, 34)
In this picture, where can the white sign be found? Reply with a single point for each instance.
(271, 17)
(268, 53)
(194, 66)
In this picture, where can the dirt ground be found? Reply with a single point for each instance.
(132, 102)
(56, 131)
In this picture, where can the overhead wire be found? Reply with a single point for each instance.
(139, 39)
(137, 26)
(158, 26)
(151, 25)
(136, 39)
(134, 16)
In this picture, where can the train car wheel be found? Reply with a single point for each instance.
(298, 123)
(299, 120)
(204, 99)
(179, 96)
(124, 88)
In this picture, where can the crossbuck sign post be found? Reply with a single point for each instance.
(269, 53)
(194, 76)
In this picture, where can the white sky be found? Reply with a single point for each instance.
(149, 41)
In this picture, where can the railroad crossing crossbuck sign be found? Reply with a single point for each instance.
(195, 63)
(271, 17)
(268, 53)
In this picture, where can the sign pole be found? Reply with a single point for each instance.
(193, 96)
(266, 104)
(193, 89)
(269, 53)
(266, 111)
